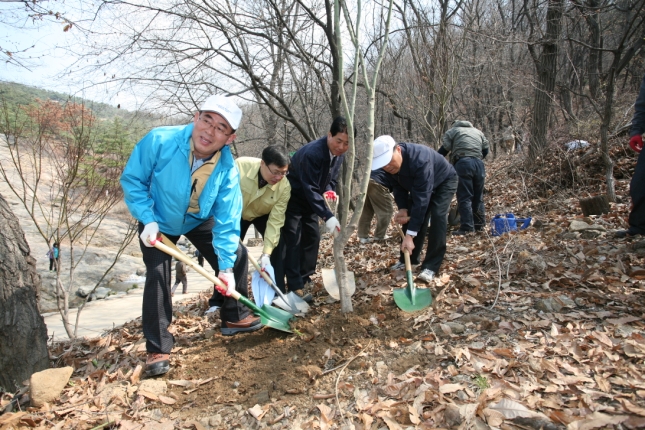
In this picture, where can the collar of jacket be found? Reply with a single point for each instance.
(254, 175)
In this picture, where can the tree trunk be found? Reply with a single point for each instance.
(23, 334)
(546, 71)
(597, 205)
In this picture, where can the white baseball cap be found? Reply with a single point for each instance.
(383, 148)
(225, 107)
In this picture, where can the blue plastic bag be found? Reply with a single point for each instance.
(504, 223)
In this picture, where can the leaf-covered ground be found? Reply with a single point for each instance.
(537, 329)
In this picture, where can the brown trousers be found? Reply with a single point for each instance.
(377, 202)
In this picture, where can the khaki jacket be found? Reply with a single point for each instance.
(271, 200)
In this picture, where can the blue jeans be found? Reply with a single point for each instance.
(470, 193)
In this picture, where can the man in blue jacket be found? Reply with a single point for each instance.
(424, 184)
(183, 180)
(313, 174)
(637, 185)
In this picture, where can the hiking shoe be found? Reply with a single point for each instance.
(211, 310)
(157, 364)
(426, 275)
(620, 234)
(460, 232)
(307, 297)
(364, 240)
(378, 239)
(398, 266)
(250, 323)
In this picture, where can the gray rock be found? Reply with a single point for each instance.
(590, 234)
(215, 420)
(84, 291)
(578, 225)
(47, 385)
(141, 271)
(102, 292)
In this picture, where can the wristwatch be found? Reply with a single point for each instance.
(227, 270)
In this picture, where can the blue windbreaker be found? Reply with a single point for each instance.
(156, 184)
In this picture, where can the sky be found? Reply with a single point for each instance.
(42, 58)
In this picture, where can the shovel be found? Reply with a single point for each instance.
(410, 299)
(269, 316)
(290, 302)
(329, 276)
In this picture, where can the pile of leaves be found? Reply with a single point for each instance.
(539, 329)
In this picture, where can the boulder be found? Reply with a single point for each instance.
(578, 225)
(102, 292)
(84, 291)
(47, 385)
(141, 271)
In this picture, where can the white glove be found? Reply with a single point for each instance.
(229, 280)
(265, 261)
(149, 234)
(333, 226)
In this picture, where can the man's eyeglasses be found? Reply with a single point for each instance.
(279, 173)
(217, 128)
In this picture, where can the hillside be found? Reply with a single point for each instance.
(540, 329)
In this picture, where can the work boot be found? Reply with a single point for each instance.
(250, 323)
(364, 240)
(620, 234)
(157, 364)
(304, 296)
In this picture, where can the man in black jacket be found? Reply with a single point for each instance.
(424, 184)
(313, 174)
(637, 185)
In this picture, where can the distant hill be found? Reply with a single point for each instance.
(19, 94)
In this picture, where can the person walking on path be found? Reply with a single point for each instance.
(180, 277)
(313, 174)
(266, 192)
(183, 180)
(379, 203)
(468, 147)
(637, 185)
(54, 257)
(424, 184)
(200, 257)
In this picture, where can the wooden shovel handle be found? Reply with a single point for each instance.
(165, 245)
(406, 253)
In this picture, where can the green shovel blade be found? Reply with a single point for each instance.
(411, 299)
(270, 316)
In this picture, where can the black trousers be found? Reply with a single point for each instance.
(637, 193)
(299, 242)
(260, 224)
(156, 313)
(437, 212)
(470, 193)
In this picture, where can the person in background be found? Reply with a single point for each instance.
(468, 147)
(379, 203)
(54, 257)
(313, 174)
(183, 180)
(200, 258)
(266, 192)
(424, 184)
(180, 277)
(637, 185)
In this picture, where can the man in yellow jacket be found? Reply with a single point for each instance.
(265, 192)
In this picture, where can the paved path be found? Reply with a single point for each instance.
(102, 315)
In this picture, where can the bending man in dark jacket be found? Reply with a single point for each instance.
(424, 184)
(313, 174)
(637, 185)
(468, 146)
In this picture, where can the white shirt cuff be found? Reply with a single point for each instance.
(411, 233)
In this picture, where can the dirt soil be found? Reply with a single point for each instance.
(537, 329)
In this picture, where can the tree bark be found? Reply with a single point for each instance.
(23, 334)
(546, 73)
